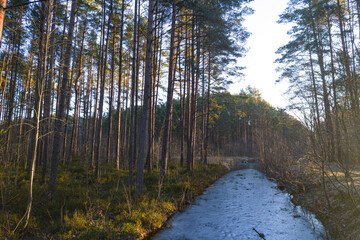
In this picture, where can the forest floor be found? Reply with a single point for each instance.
(340, 211)
(106, 208)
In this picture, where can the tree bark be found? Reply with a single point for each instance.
(132, 124)
(118, 140)
(146, 100)
(78, 86)
(166, 129)
(47, 95)
(111, 97)
(2, 17)
(101, 100)
(59, 125)
(207, 112)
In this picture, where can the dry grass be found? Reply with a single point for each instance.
(230, 162)
(340, 214)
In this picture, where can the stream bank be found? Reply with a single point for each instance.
(302, 179)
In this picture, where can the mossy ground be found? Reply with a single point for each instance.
(106, 208)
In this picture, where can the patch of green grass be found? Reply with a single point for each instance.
(104, 208)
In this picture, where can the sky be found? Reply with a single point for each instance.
(266, 37)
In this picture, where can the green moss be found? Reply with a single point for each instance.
(107, 208)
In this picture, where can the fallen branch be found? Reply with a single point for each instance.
(261, 235)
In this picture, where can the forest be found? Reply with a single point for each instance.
(112, 111)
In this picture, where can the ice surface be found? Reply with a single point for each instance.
(237, 203)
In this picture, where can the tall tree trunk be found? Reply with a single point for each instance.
(66, 153)
(93, 140)
(166, 129)
(197, 76)
(192, 106)
(188, 103)
(61, 61)
(335, 108)
(156, 87)
(3, 81)
(59, 125)
(132, 123)
(149, 155)
(118, 140)
(87, 114)
(2, 17)
(203, 111)
(23, 102)
(127, 123)
(345, 58)
(47, 95)
(40, 72)
(101, 100)
(318, 122)
(99, 76)
(182, 105)
(207, 112)
(13, 82)
(136, 112)
(111, 97)
(317, 111)
(78, 85)
(146, 100)
(328, 121)
(48, 6)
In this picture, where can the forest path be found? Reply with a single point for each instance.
(238, 204)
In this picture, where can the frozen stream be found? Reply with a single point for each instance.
(237, 203)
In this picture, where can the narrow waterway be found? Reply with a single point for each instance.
(244, 204)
